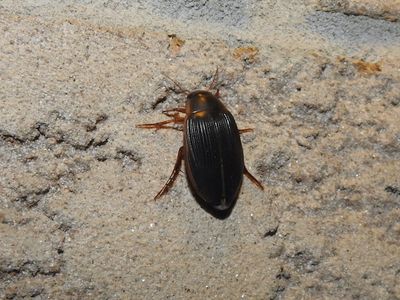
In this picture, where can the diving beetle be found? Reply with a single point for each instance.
(212, 150)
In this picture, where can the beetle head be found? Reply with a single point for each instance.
(202, 102)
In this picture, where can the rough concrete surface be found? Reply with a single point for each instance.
(318, 80)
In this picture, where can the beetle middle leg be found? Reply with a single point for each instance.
(173, 175)
(253, 179)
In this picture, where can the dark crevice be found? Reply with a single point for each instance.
(33, 198)
(129, 154)
(93, 125)
(304, 261)
(101, 158)
(83, 147)
(10, 138)
(283, 275)
(42, 129)
(101, 118)
(31, 268)
(393, 190)
(372, 16)
(271, 232)
(65, 227)
(121, 154)
(158, 101)
(100, 143)
(63, 224)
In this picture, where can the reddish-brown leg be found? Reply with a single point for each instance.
(172, 111)
(253, 179)
(176, 119)
(244, 130)
(173, 175)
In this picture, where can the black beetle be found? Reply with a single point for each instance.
(212, 151)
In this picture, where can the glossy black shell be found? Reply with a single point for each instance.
(213, 152)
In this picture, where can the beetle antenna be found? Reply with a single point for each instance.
(177, 84)
(214, 83)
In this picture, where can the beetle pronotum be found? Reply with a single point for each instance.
(212, 150)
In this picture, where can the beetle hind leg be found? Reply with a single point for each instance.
(244, 130)
(173, 175)
(253, 179)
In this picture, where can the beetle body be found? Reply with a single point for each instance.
(213, 152)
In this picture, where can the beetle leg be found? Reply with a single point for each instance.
(173, 175)
(157, 127)
(162, 125)
(253, 179)
(168, 112)
(244, 130)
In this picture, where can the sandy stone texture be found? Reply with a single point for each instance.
(388, 9)
(319, 81)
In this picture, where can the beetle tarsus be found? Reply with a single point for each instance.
(253, 179)
(158, 127)
(173, 175)
(176, 119)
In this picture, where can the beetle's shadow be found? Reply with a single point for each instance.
(219, 214)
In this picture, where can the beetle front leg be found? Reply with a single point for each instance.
(253, 179)
(176, 119)
(173, 175)
(173, 111)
